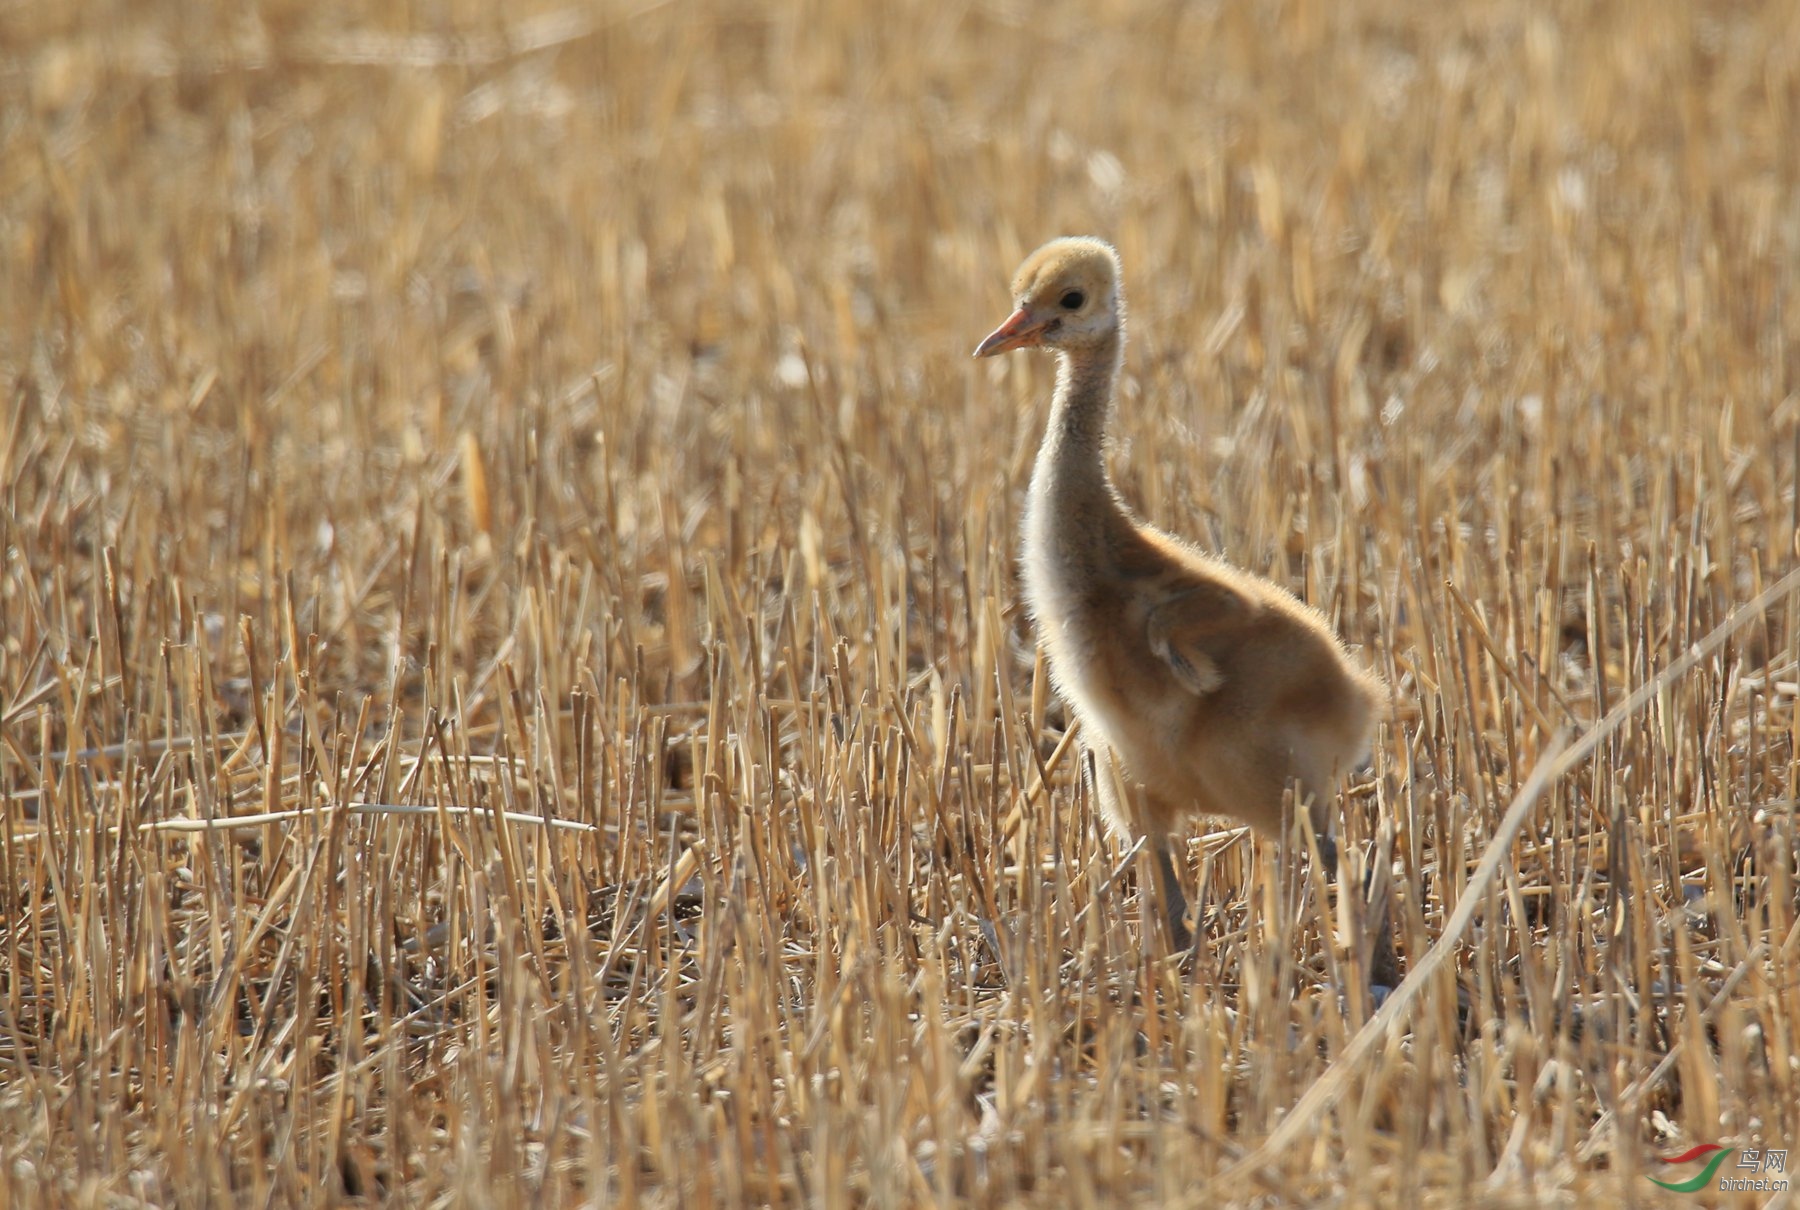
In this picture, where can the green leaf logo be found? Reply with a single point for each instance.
(1706, 1174)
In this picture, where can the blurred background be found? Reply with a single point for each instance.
(674, 254)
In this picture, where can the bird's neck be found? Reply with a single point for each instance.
(1071, 464)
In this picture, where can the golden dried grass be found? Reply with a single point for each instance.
(424, 426)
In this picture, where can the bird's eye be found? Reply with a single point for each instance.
(1072, 300)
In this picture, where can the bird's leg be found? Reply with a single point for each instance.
(1384, 963)
(1328, 854)
(1181, 937)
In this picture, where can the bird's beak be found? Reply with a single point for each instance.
(1019, 330)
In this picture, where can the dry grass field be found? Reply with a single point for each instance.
(512, 683)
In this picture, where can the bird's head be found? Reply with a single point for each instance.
(1067, 293)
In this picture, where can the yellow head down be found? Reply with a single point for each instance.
(1068, 297)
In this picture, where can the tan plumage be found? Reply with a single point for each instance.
(1201, 689)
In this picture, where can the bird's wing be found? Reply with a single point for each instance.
(1195, 611)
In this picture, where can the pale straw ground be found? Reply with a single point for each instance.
(418, 412)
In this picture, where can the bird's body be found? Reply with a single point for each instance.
(1201, 689)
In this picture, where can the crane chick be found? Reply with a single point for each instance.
(1201, 689)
